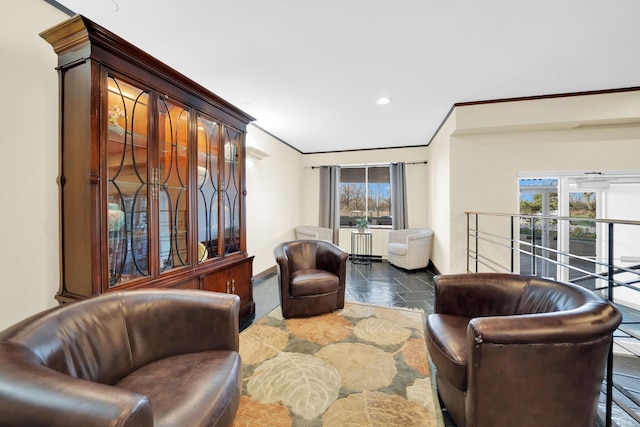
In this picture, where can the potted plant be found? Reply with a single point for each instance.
(362, 223)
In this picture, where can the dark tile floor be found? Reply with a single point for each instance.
(376, 283)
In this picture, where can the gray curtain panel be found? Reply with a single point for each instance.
(399, 195)
(330, 199)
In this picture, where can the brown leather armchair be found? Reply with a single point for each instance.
(520, 351)
(312, 275)
(134, 358)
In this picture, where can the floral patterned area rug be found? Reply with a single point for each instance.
(364, 365)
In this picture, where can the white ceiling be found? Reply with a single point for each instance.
(311, 71)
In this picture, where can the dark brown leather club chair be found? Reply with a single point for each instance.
(136, 358)
(520, 351)
(312, 277)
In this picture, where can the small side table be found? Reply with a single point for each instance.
(361, 244)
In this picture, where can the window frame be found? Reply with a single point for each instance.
(367, 209)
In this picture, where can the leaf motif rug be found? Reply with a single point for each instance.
(364, 365)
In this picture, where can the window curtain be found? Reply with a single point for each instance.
(330, 199)
(398, 177)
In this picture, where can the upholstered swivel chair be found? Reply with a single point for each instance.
(310, 232)
(312, 275)
(410, 248)
(520, 351)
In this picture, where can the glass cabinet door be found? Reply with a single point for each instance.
(171, 185)
(127, 158)
(231, 190)
(142, 174)
(148, 167)
(208, 192)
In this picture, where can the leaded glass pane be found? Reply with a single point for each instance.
(127, 156)
(172, 183)
(231, 190)
(208, 143)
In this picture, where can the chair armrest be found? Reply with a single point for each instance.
(305, 233)
(524, 362)
(418, 242)
(589, 322)
(417, 237)
(478, 295)
(282, 266)
(224, 315)
(330, 257)
(408, 234)
(32, 394)
(398, 236)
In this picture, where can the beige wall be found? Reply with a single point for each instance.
(491, 144)
(274, 189)
(29, 161)
(439, 184)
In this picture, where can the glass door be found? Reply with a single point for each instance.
(231, 192)
(565, 249)
(147, 164)
(127, 158)
(539, 236)
(208, 192)
(171, 184)
(582, 235)
(219, 193)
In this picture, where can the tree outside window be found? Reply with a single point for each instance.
(365, 192)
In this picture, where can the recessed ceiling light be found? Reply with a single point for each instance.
(383, 101)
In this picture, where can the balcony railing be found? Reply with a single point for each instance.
(600, 254)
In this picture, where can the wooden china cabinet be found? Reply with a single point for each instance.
(152, 173)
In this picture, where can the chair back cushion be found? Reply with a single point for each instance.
(77, 339)
(545, 296)
(102, 339)
(301, 255)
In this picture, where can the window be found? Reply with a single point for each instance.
(365, 191)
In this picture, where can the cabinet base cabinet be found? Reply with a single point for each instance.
(236, 279)
(189, 284)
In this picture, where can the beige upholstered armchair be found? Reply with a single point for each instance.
(410, 248)
(309, 232)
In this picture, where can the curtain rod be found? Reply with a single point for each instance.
(422, 162)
